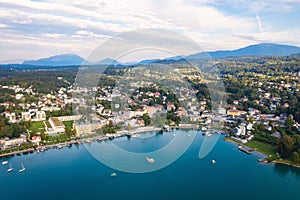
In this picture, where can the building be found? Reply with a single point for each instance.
(26, 116)
(54, 126)
(14, 141)
(240, 130)
(221, 111)
(40, 115)
(12, 118)
(234, 112)
(36, 140)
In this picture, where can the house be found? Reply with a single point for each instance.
(26, 116)
(253, 111)
(139, 112)
(19, 96)
(40, 115)
(12, 118)
(15, 141)
(240, 130)
(36, 140)
(249, 126)
(234, 112)
(221, 111)
(157, 94)
(171, 107)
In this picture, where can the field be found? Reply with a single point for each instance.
(37, 127)
(262, 147)
(68, 123)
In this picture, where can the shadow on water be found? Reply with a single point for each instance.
(284, 170)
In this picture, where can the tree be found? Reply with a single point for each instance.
(289, 122)
(146, 119)
(295, 157)
(44, 136)
(285, 146)
(128, 127)
(251, 120)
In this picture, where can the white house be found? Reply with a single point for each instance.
(40, 115)
(240, 130)
(26, 116)
(12, 118)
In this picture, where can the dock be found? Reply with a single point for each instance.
(243, 149)
(17, 152)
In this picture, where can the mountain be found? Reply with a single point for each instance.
(264, 49)
(109, 61)
(145, 62)
(57, 60)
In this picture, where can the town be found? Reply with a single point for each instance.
(262, 115)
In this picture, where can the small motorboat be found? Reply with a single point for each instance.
(114, 174)
(213, 162)
(150, 160)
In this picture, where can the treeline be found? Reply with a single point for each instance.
(289, 147)
(42, 81)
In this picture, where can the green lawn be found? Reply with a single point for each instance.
(37, 126)
(262, 147)
(68, 123)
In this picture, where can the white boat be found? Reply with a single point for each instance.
(150, 160)
(10, 169)
(5, 162)
(213, 162)
(22, 169)
(113, 175)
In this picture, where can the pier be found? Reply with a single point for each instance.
(245, 150)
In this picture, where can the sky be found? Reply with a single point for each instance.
(32, 29)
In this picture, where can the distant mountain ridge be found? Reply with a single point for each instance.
(57, 60)
(263, 49)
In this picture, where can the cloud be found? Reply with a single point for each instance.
(3, 25)
(259, 23)
(53, 27)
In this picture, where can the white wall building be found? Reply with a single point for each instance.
(26, 116)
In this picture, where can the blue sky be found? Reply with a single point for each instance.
(35, 29)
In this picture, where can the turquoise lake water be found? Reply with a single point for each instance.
(73, 173)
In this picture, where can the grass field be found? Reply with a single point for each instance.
(37, 126)
(68, 123)
(264, 148)
(261, 147)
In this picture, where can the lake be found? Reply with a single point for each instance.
(73, 173)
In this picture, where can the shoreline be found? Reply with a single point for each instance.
(90, 139)
(140, 130)
(285, 163)
(266, 156)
